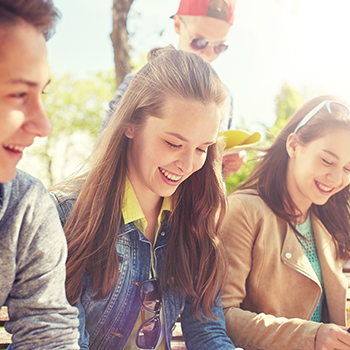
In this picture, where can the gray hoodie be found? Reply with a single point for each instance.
(33, 253)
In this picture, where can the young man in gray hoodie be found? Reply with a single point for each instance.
(33, 248)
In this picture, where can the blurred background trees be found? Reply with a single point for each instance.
(76, 108)
(287, 102)
(120, 38)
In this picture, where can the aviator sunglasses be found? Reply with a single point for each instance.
(314, 111)
(150, 298)
(200, 43)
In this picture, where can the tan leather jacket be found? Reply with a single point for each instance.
(271, 290)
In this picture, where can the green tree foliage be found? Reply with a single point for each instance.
(76, 108)
(138, 60)
(242, 174)
(287, 102)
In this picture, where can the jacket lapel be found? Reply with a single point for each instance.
(335, 282)
(292, 254)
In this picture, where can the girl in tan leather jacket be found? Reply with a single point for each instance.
(287, 234)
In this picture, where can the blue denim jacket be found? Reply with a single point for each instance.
(106, 324)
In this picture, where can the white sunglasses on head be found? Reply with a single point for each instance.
(312, 113)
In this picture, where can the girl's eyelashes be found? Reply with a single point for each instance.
(326, 161)
(171, 145)
(346, 169)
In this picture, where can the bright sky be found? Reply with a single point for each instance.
(303, 42)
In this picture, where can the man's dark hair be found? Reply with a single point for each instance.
(217, 9)
(42, 14)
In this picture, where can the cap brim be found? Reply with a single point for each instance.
(239, 138)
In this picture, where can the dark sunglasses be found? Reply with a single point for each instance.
(151, 299)
(200, 44)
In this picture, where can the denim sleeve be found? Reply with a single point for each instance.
(83, 334)
(230, 113)
(206, 334)
(113, 104)
(226, 122)
(64, 204)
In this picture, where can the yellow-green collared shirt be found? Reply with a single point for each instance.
(132, 212)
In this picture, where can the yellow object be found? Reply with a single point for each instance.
(239, 139)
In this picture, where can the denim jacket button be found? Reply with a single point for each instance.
(119, 335)
(163, 233)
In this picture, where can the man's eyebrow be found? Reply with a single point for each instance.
(27, 82)
(197, 35)
(180, 137)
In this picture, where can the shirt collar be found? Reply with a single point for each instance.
(131, 208)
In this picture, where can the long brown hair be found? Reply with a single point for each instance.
(269, 175)
(194, 257)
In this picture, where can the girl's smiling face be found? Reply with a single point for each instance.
(165, 151)
(319, 169)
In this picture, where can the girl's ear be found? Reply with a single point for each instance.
(292, 144)
(129, 132)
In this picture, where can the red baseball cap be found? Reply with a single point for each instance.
(208, 8)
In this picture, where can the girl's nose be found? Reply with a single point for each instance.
(336, 177)
(185, 163)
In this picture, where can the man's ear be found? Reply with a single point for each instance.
(129, 132)
(292, 144)
(177, 23)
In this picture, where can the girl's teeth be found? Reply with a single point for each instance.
(170, 176)
(324, 187)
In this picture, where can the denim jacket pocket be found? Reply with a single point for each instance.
(97, 311)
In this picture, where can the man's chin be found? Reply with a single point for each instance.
(7, 174)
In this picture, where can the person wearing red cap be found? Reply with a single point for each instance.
(203, 27)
